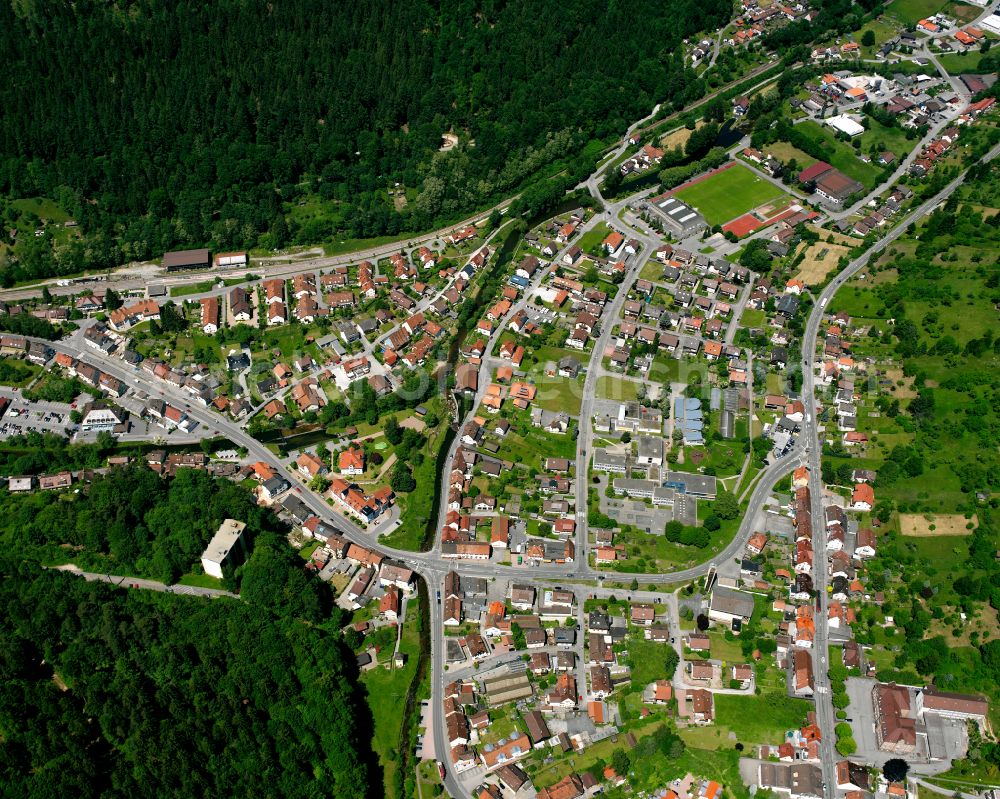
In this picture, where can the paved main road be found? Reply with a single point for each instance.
(811, 431)
(432, 568)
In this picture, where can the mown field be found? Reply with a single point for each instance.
(729, 194)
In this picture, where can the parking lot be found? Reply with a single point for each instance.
(40, 417)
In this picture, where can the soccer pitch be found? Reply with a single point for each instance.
(729, 194)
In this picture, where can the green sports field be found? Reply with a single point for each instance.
(729, 194)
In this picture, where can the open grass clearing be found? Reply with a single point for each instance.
(652, 270)
(910, 12)
(760, 719)
(786, 152)
(839, 154)
(753, 318)
(615, 388)
(44, 208)
(983, 621)
(386, 695)
(883, 28)
(592, 238)
(944, 552)
(929, 525)
(959, 63)
(559, 394)
(679, 137)
(881, 138)
(727, 651)
(714, 737)
(729, 194)
(904, 391)
(774, 383)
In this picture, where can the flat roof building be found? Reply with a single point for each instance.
(680, 218)
(227, 547)
(697, 485)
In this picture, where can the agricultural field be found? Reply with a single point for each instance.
(820, 260)
(963, 12)
(729, 194)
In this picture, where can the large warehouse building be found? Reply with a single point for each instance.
(186, 259)
(680, 218)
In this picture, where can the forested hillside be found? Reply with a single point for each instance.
(109, 693)
(131, 521)
(157, 123)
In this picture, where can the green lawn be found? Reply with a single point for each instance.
(910, 12)
(786, 152)
(840, 154)
(729, 194)
(192, 288)
(386, 694)
(944, 551)
(306, 552)
(45, 209)
(201, 581)
(559, 394)
(652, 270)
(727, 651)
(593, 238)
(615, 388)
(760, 719)
(879, 138)
(753, 318)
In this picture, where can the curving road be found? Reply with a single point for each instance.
(433, 568)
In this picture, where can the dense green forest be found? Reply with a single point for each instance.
(156, 124)
(113, 693)
(131, 521)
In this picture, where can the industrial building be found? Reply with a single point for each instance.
(186, 259)
(679, 218)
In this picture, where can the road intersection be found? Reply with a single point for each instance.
(578, 576)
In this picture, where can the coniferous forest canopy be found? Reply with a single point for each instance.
(158, 124)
